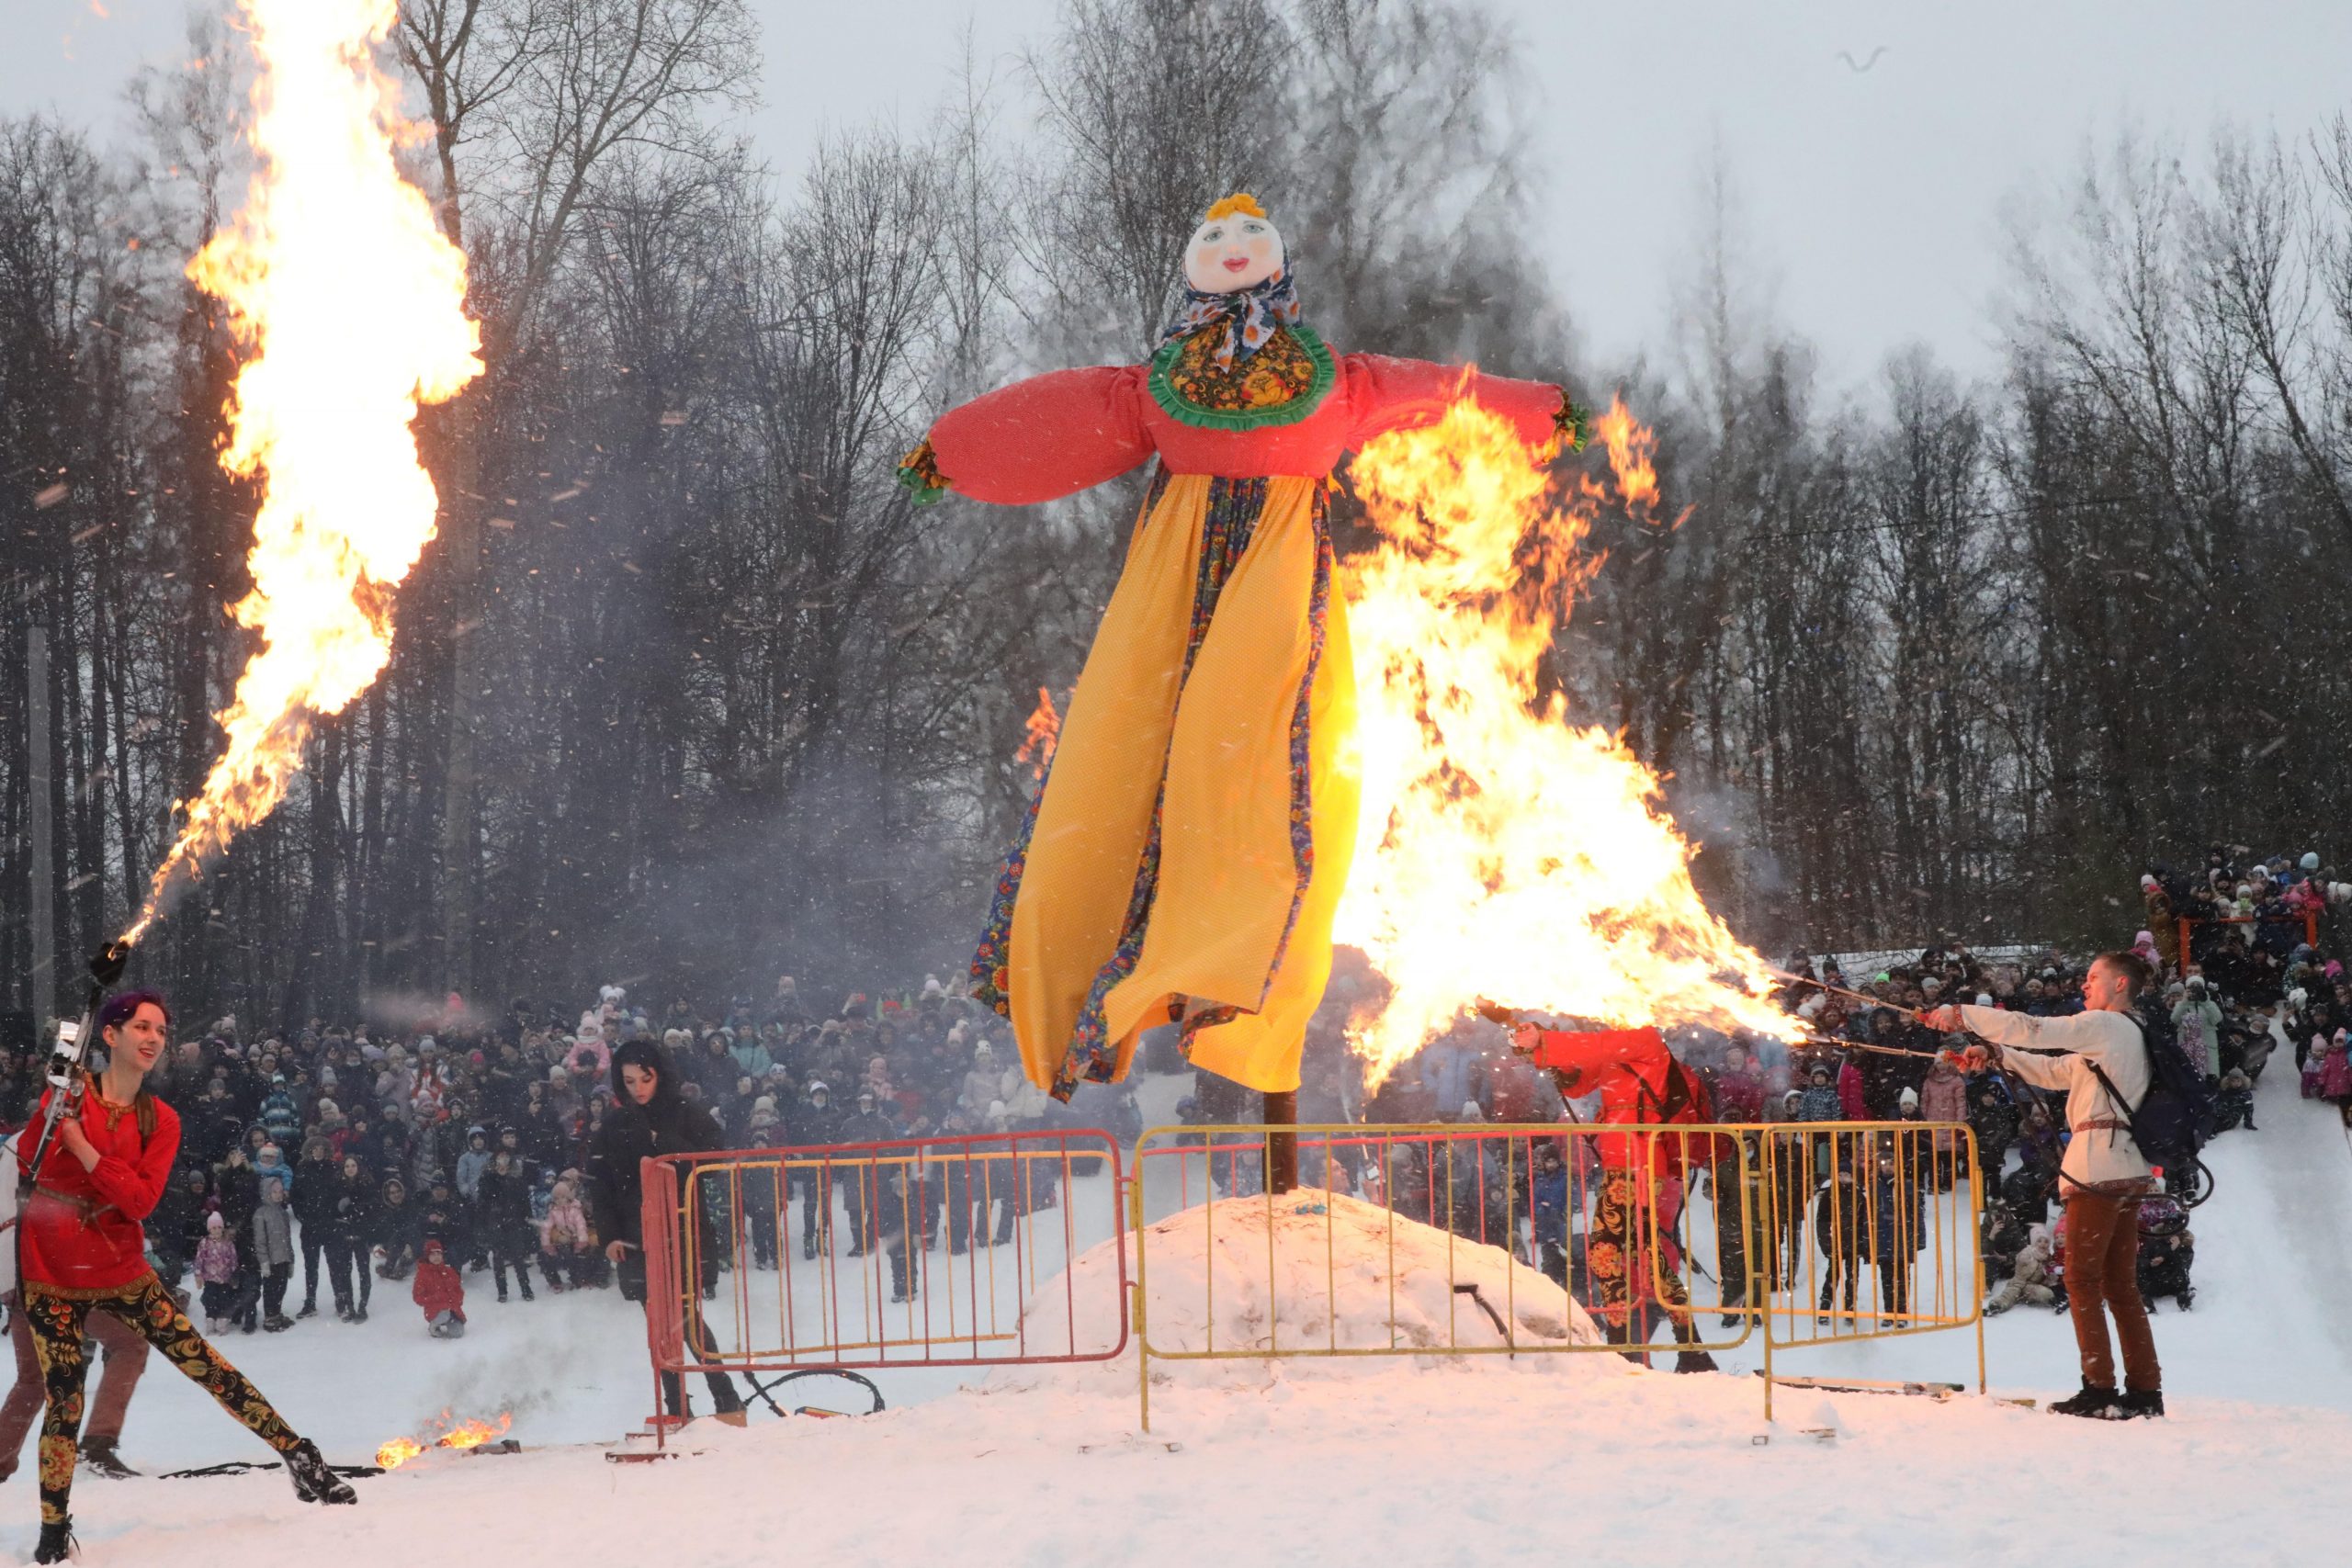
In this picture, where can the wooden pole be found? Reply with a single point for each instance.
(1282, 1148)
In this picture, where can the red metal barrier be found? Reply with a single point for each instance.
(917, 1253)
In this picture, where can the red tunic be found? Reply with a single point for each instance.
(1627, 1065)
(1066, 431)
(81, 1227)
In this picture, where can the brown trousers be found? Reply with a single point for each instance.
(2103, 1275)
(126, 1358)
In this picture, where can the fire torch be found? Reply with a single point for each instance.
(66, 1057)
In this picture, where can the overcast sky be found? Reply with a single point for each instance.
(1875, 198)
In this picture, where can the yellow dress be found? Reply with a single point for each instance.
(1184, 858)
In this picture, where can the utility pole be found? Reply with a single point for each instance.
(40, 894)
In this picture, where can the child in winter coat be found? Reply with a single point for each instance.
(2029, 1282)
(2315, 1066)
(2335, 1071)
(441, 1292)
(2233, 1105)
(273, 1228)
(216, 1271)
(567, 1241)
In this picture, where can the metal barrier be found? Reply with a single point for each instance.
(1643, 1226)
(918, 1252)
(1884, 1200)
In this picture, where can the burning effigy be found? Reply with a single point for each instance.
(1186, 855)
(1269, 748)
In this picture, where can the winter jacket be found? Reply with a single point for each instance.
(279, 1116)
(273, 1235)
(2199, 1026)
(751, 1056)
(1944, 1098)
(471, 1165)
(216, 1260)
(567, 1229)
(1853, 1104)
(1820, 1103)
(1549, 1199)
(439, 1289)
(633, 1133)
(313, 1200)
(266, 1166)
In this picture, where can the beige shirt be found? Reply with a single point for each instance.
(2110, 1039)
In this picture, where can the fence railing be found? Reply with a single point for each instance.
(921, 1253)
(1553, 1238)
(1701, 1231)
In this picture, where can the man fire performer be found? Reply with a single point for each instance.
(2103, 1172)
(81, 1248)
(1641, 1084)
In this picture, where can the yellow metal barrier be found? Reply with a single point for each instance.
(917, 1253)
(1642, 1225)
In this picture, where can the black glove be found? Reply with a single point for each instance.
(107, 965)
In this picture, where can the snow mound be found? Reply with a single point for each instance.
(1310, 1270)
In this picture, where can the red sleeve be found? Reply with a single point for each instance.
(1051, 436)
(1590, 1053)
(135, 1187)
(1402, 394)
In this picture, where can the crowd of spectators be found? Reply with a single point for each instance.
(351, 1156)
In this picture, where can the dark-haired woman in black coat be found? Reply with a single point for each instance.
(652, 1120)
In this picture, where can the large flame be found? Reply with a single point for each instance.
(351, 305)
(1504, 851)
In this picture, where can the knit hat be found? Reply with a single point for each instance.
(764, 1102)
(2310, 861)
(1908, 1099)
(212, 1222)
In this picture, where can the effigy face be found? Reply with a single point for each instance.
(1231, 253)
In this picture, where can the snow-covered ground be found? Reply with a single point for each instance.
(1421, 1461)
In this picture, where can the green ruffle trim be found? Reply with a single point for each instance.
(918, 487)
(1183, 410)
(1572, 424)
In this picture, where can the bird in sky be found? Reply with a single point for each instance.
(1865, 66)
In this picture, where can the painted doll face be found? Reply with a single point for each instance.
(1232, 251)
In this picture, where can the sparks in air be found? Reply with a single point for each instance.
(1504, 851)
(349, 306)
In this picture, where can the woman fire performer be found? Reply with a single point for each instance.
(1185, 855)
(81, 1249)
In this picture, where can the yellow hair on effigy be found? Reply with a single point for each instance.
(1239, 202)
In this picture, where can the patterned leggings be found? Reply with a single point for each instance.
(57, 1322)
(1618, 1249)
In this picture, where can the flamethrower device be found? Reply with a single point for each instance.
(66, 1056)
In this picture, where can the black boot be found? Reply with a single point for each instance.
(309, 1308)
(521, 1281)
(57, 1542)
(315, 1481)
(2097, 1404)
(98, 1454)
(2131, 1406)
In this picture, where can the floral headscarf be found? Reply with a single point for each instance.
(1251, 315)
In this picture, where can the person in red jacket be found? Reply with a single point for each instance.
(81, 1248)
(441, 1291)
(1633, 1071)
